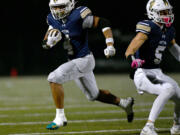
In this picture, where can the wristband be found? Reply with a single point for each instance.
(109, 40)
(130, 58)
(106, 28)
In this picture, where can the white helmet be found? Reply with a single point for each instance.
(64, 7)
(154, 7)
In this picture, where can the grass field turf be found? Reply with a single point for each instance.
(26, 107)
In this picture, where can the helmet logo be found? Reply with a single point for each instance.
(54, 1)
(165, 2)
(151, 4)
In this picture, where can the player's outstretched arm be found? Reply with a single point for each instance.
(104, 25)
(175, 50)
(135, 44)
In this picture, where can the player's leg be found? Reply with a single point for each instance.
(175, 130)
(157, 107)
(58, 94)
(63, 73)
(58, 97)
(88, 85)
(163, 97)
(162, 89)
(127, 104)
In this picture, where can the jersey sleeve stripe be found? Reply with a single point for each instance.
(142, 31)
(85, 12)
(83, 9)
(142, 23)
(143, 27)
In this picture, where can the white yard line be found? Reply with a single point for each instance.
(80, 121)
(70, 106)
(92, 132)
(77, 113)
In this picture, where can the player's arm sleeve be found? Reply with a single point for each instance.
(175, 50)
(96, 22)
(90, 21)
(87, 17)
(143, 27)
(104, 25)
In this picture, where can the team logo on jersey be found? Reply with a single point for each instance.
(165, 2)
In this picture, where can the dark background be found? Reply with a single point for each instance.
(23, 25)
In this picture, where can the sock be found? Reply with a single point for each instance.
(59, 116)
(59, 112)
(123, 103)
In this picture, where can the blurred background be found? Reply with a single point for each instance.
(23, 25)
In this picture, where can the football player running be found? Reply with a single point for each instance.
(145, 54)
(69, 25)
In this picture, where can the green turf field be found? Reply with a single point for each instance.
(26, 107)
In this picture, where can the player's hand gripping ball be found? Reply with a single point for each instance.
(53, 37)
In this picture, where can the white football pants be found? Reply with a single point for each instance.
(80, 70)
(153, 81)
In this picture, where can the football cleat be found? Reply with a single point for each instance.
(127, 105)
(54, 126)
(58, 122)
(175, 130)
(148, 130)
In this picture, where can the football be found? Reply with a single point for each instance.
(51, 31)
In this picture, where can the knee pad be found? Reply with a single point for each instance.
(58, 77)
(51, 77)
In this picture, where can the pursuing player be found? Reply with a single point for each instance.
(69, 25)
(145, 53)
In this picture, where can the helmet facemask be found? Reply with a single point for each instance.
(165, 17)
(160, 11)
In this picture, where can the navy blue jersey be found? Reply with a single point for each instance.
(158, 40)
(76, 38)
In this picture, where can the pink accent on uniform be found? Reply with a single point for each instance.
(167, 21)
(137, 63)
